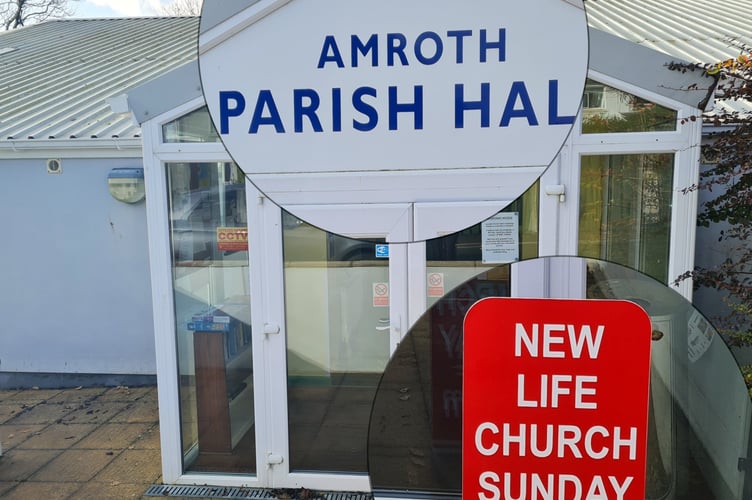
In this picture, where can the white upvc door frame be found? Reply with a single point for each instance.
(390, 222)
(266, 277)
(156, 155)
(407, 269)
(559, 227)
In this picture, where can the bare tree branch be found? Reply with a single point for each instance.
(17, 13)
(182, 8)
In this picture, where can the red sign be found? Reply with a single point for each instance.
(232, 239)
(555, 400)
(435, 284)
(380, 294)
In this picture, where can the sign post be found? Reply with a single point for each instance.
(555, 400)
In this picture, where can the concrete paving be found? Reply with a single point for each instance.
(82, 443)
(88, 443)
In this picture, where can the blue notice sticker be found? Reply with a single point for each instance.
(382, 251)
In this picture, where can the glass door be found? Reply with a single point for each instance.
(343, 302)
(211, 296)
(337, 305)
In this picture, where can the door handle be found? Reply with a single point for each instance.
(271, 329)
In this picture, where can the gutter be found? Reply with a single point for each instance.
(64, 147)
(707, 103)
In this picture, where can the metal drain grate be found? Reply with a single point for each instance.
(167, 491)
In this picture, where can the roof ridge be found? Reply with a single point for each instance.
(116, 18)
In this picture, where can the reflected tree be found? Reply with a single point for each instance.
(182, 8)
(18, 13)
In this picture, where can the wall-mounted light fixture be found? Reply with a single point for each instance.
(127, 184)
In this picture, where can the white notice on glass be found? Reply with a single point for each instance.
(501, 238)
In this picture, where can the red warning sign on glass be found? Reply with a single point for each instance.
(380, 294)
(232, 239)
(555, 399)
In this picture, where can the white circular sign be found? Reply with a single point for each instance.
(414, 102)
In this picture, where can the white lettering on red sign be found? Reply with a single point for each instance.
(530, 390)
(555, 486)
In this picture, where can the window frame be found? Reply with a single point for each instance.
(562, 217)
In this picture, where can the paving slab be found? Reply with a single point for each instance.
(113, 436)
(6, 485)
(65, 444)
(35, 395)
(126, 394)
(95, 412)
(11, 410)
(57, 437)
(18, 465)
(78, 395)
(40, 413)
(112, 491)
(149, 440)
(138, 411)
(146, 465)
(13, 435)
(47, 491)
(74, 465)
(150, 394)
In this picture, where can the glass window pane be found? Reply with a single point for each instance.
(209, 236)
(453, 259)
(195, 126)
(625, 210)
(338, 328)
(608, 110)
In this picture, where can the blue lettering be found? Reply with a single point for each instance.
(553, 106)
(518, 90)
(428, 35)
(300, 110)
(501, 45)
(459, 36)
(415, 107)
(225, 111)
(265, 100)
(357, 46)
(337, 110)
(330, 45)
(428, 48)
(395, 44)
(460, 105)
(365, 108)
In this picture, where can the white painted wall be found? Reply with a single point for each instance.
(75, 295)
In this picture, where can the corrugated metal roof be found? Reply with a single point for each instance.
(694, 30)
(55, 77)
(702, 31)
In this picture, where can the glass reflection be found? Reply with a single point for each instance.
(699, 417)
(609, 110)
(209, 240)
(453, 259)
(195, 126)
(337, 317)
(625, 210)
